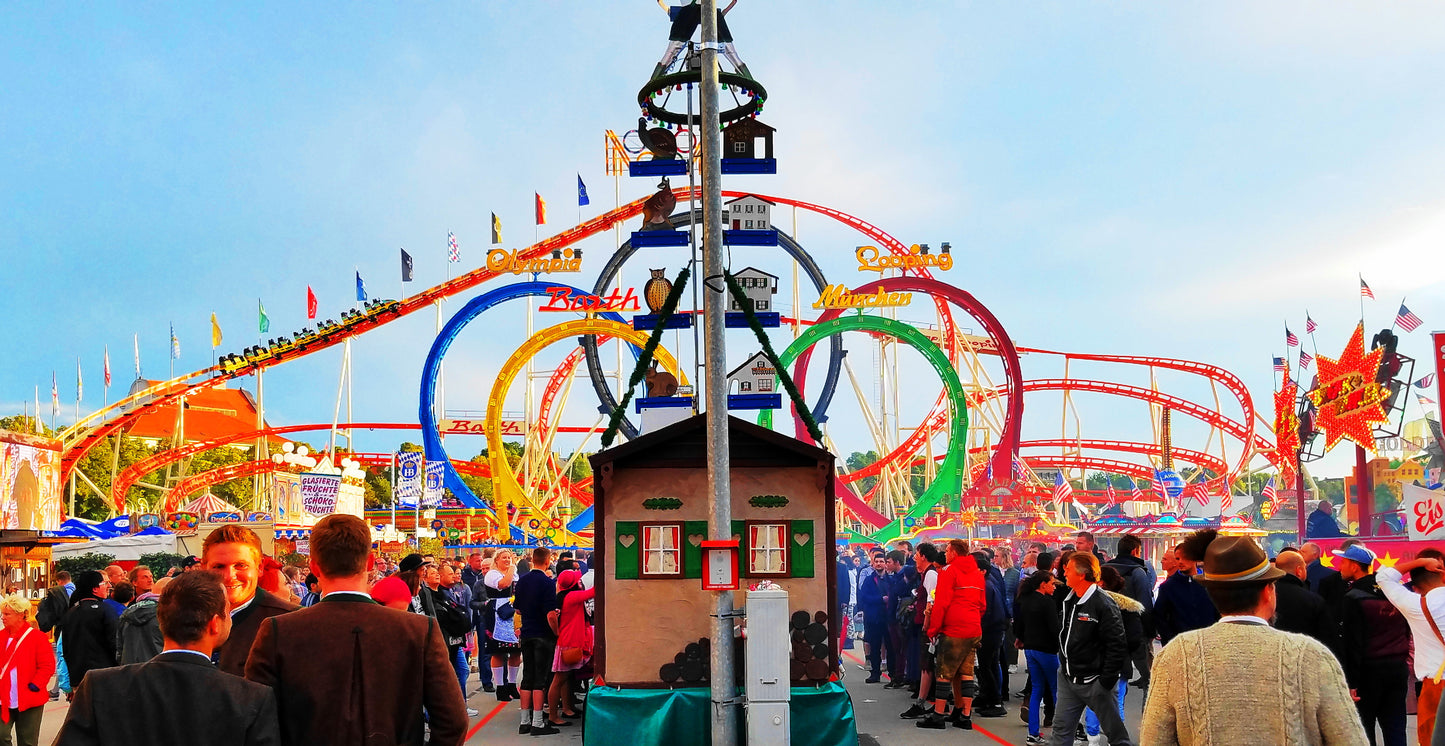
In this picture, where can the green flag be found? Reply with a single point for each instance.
(263, 322)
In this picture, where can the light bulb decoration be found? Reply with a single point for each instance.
(1348, 400)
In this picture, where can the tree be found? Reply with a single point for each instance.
(30, 424)
(857, 460)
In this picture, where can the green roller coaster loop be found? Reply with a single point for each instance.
(947, 482)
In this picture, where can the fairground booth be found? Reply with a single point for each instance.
(652, 620)
(30, 504)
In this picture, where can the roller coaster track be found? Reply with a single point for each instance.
(222, 474)
(90, 430)
(129, 475)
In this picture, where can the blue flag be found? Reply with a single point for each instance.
(582, 192)
(360, 288)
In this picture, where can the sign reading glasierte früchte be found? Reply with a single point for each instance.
(319, 493)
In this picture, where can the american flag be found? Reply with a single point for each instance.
(454, 253)
(1062, 489)
(1199, 492)
(1365, 291)
(1134, 493)
(1305, 359)
(1268, 492)
(1158, 485)
(988, 472)
(1226, 498)
(1425, 401)
(1290, 338)
(1279, 366)
(1424, 383)
(1406, 319)
(1310, 325)
(1018, 469)
(107, 366)
(1109, 492)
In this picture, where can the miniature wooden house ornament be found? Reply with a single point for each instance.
(651, 514)
(749, 212)
(748, 139)
(752, 385)
(758, 286)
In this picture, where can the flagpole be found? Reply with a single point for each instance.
(1362, 299)
(1311, 332)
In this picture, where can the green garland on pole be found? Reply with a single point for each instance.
(640, 372)
(742, 302)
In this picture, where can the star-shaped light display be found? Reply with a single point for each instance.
(1349, 401)
(1286, 431)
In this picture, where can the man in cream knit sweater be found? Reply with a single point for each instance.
(1240, 681)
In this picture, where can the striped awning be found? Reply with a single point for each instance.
(1138, 530)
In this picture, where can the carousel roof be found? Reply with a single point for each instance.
(207, 504)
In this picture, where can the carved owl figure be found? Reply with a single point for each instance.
(656, 290)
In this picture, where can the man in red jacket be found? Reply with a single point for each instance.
(954, 630)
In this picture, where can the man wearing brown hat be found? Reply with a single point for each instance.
(1240, 680)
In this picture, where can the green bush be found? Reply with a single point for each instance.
(87, 561)
(160, 562)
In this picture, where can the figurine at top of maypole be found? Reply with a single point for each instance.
(685, 21)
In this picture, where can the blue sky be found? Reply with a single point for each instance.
(1161, 179)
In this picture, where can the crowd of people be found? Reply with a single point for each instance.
(1224, 644)
(355, 648)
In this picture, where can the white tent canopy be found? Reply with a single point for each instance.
(128, 548)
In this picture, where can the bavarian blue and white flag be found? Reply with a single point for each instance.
(432, 493)
(409, 478)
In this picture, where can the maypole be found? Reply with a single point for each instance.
(720, 518)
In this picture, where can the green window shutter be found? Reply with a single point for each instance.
(741, 531)
(626, 548)
(801, 553)
(692, 553)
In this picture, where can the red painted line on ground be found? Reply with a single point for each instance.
(862, 662)
(486, 719)
(996, 739)
(976, 726)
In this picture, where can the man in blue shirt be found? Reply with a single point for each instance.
(536, 595)
(1322, 523)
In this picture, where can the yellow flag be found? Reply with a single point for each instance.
(215, 331)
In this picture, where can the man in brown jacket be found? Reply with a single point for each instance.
(234, 553)
(349, 671)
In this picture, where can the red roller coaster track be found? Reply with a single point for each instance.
(79, 440)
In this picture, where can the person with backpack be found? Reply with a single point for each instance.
(1139, 580)
(452, 600)
(47, 616)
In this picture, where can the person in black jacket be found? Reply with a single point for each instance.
(1183, 604)
(1036, 632)
(203, 703)
(989, 702)
(1298, 609)
(1139, 581)
(1375, 642)
(90, 628)
(48, 616)
(1093, 649)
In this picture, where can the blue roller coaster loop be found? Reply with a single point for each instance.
(430, 434)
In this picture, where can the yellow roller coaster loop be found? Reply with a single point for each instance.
(505, 487)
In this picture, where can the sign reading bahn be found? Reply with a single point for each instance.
(565, 299)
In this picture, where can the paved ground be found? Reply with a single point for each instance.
(876, 708)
